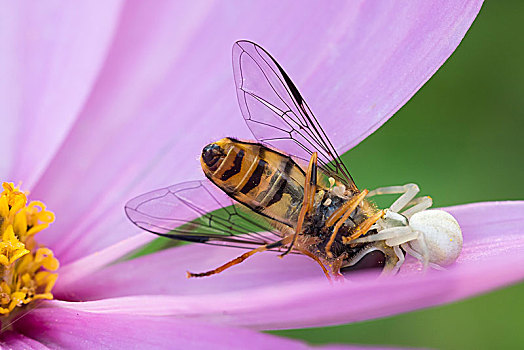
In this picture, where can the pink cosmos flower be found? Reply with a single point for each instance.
(107, 103)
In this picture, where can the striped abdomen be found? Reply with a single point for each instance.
(268, 182)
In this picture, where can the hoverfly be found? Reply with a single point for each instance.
(289, 191)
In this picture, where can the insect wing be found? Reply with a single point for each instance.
(196, 211)
(275, 111)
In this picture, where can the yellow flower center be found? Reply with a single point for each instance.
(25, 267)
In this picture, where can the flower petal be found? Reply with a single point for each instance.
(51, 55)
(83, 267)
(74, 329)
(14, 341)
(392, 51)
(270, 293)
(166, 90)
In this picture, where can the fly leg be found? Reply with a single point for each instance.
(241, 258)
(363, 227)
(314, 257)
(337, 264)
(310, 188)
(345, 210)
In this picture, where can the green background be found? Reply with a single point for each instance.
(461, 139)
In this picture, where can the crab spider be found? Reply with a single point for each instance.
(431, 236)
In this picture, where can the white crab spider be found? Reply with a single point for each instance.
(432, 236)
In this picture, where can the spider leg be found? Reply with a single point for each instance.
(418, 205)
(408, 191)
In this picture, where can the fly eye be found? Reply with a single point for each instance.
(211, 154)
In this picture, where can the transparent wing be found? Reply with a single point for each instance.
(196, 211)
(276, 113)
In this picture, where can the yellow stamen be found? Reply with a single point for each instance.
(26, 268)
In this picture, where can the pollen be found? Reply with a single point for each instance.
(26, 268)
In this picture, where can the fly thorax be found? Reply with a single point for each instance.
(326, 203)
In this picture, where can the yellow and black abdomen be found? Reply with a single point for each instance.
(266, 181)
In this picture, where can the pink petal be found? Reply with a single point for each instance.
(85, 266)
(391, 52)
(167, 89)
(14, 341)
(73, 329)
(271, 293)
(51, 55)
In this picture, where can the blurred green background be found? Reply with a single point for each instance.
(461, 138)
